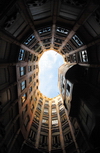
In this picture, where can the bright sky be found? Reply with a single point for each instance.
(48, 73)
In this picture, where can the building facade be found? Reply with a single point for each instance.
(30, 121)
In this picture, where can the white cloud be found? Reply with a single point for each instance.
(45, 62)
(51, 76)
(48, 73)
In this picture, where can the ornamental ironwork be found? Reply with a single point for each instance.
(78, 3)
(36, 3)
(97, 16)
(10, 20)
(29, 39)
(62, 30)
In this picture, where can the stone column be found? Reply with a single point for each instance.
(60, 128)
(49, 127)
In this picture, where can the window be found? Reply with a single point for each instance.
(23, 85)
(40, 100)
(69, 88)
(68, 138)
(63, 119)
(59, 99)
(29, 39)
(36, 47)
(77, 40)
(61, 107)
(58, 40)
(46, 40)
(34, 76)
(30, 89)
(36, 117)
(29, 68)
(46, 110)
(84, 56)
(44, 30)
(53, 110)
(33, 67)
(74, 59)
(54, 122)
(34, 58)
(30, 79)
(56, 141)
(39, 106)
(43, 141)
(32, 135)
(68, 58)
(23, 98)
(46, 102)
(22, 71)
(69, 47)
(53, 103)
(21, 55)
(30, 57)
(62, 30)
(44, 121)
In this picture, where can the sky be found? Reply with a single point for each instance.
(49, 63)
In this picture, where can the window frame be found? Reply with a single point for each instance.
(22, 71)
(24, 98)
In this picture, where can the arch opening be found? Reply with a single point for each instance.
(49, 63)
